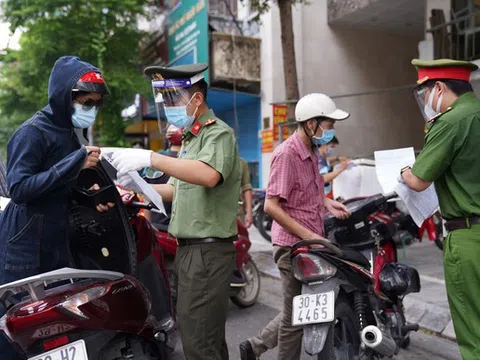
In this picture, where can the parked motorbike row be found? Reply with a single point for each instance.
(119, 301)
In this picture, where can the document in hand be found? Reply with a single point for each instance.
(420, 205)
(146, 188)
(388, 163)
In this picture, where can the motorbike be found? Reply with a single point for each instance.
(404, 229)
(261, 220)
(245, 287)
(115, 304)
(352, 288)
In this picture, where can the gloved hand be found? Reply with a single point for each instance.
(131, 159)
(127, 183)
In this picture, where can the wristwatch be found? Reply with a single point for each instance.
(400, 177)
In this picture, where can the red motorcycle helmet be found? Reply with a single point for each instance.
(92, 82)
(174, 135)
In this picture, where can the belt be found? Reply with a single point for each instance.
(209, 240)
(462, 223)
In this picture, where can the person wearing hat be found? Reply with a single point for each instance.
(295, 200)
(450, 160)
(204, 186)
(44, 158)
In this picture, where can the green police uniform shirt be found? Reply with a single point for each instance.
(450, 158)
(197, 211)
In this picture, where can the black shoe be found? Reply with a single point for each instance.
(237, 279)
(246, 351)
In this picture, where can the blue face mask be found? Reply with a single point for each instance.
(326, 137)
(177, 116)
(83, 118)
(329, 152)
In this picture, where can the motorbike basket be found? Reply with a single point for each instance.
(399, 279)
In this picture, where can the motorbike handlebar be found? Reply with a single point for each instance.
(142, 205)
(390, 195)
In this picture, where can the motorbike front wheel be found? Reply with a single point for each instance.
(248, 295)
(265, 225)
(343, 340)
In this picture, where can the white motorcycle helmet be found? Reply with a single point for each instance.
(317, 105)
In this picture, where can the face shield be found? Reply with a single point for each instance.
(425, 96)
(172, 100)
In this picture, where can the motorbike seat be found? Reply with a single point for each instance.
(349, 255)
(356, 257)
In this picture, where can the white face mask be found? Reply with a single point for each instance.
(428, 108)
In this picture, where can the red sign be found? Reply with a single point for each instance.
(267, 141)
(279, 117)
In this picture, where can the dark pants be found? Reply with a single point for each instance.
(204, 273)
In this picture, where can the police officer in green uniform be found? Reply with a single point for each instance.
(450, 159)
(204, 186)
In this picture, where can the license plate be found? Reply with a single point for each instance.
(73, 351)
(313, 309)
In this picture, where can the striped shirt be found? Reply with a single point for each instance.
(295, 178)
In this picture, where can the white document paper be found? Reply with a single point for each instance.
(388, 163)
(420, 205)
(146, 188)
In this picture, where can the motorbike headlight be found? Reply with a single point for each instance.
(309, 267)
(73, 303)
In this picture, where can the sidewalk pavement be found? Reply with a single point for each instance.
(429, 307)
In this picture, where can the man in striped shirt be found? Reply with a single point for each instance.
(295, 200)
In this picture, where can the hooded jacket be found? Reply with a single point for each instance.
(44, 158)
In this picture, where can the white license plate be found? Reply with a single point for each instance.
(313, 309)
(73, 351)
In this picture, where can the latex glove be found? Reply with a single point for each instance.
(127, 183)
(131, 159)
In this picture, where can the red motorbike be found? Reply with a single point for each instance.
(117, 307)
(245, 285)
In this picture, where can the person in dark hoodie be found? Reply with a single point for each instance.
(44, 159)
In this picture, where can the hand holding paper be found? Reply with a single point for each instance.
(388, 163)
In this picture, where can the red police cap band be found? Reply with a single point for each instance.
(453, 73)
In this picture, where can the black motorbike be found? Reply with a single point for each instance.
(351, 303)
